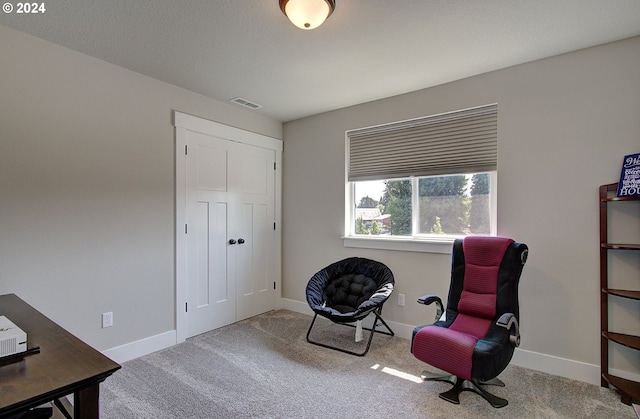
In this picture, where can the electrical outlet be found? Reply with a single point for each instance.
(401, 300)
(107, 319)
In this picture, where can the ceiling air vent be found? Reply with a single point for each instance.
(247, 104)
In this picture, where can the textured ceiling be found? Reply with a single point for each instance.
(366, 50)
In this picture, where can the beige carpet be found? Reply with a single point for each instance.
(264, 368)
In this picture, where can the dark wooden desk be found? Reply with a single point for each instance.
(65, 365)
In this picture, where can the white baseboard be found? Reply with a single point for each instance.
(562, 367)
(141, 347)
(297, 306)
(549, 364)
(576, 370)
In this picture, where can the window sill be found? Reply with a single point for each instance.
(406, 244)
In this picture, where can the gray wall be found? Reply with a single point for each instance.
(564, 125)
(87, 187)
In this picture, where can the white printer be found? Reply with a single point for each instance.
(12, 339)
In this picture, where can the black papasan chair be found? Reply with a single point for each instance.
(346, 292)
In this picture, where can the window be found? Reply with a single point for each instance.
(427, 180)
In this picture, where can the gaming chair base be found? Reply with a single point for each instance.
(460, 385)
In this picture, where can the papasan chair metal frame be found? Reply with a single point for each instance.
(348, 291)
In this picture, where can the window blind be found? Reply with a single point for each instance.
(463, 141)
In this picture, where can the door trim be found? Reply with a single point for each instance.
(183, 123)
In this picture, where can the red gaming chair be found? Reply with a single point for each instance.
(475, 338)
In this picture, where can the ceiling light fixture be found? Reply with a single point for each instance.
(307, 14)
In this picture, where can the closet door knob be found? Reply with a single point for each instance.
(240, 241)
(232, 241)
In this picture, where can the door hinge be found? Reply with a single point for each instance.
(274, 226)
(185, 229)
(274, 284)
(186, 307)
(274, 165)
(185, 150)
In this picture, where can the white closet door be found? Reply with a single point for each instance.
(255, 175)
(211, 288)
(230, 257)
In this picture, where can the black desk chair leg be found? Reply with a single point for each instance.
(62, 409)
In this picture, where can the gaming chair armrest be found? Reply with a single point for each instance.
(428, 299)
(508, 320)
